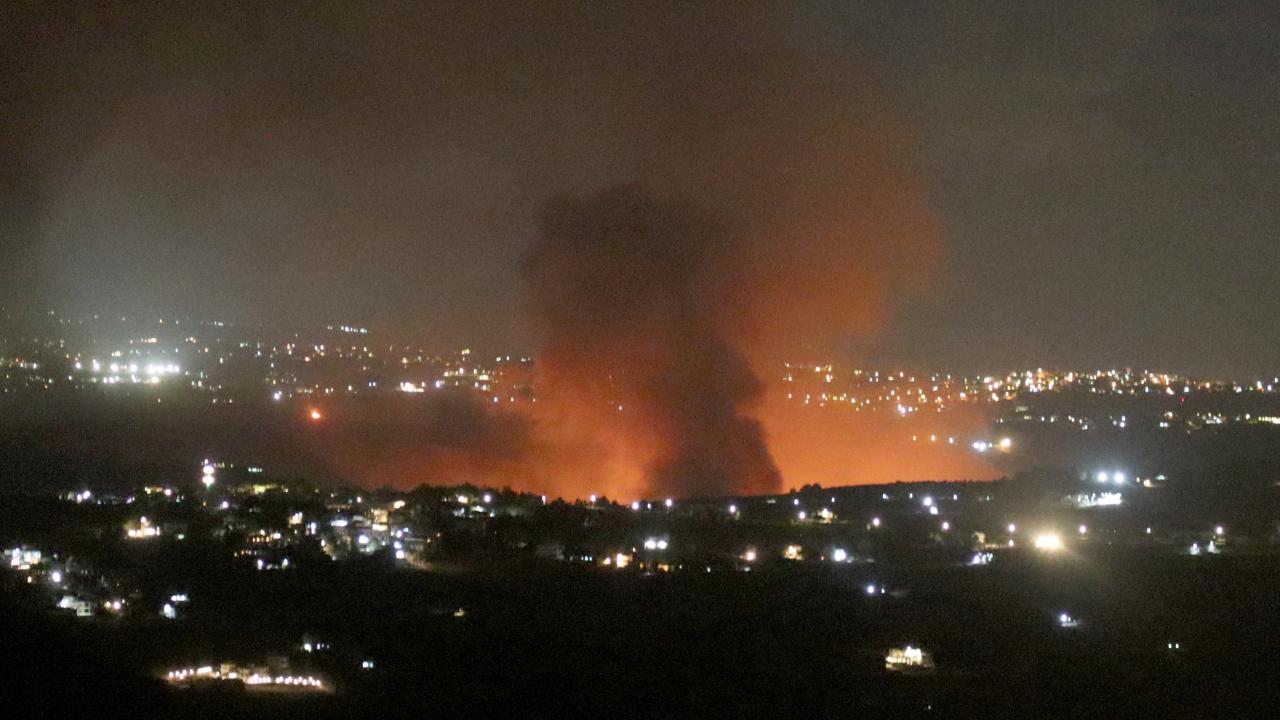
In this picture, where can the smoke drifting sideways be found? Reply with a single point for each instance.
(636, 297)
(661, 323)
(767, 212)
(788, 226)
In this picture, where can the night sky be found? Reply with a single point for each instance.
(1073, 184)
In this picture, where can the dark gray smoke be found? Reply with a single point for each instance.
(636, 297)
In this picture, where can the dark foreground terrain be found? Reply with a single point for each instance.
(788, 640)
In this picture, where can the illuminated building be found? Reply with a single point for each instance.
(907, 658)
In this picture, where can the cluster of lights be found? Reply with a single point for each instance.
(906, 657)
(151, 373)
(304, 681)
(1003, 444)
(21, 558)
(1103, 477)
(261, 564)
(1106, 499)
(144, 530)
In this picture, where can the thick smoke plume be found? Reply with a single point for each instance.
(796, 226)
(637, 298)
(384, 163)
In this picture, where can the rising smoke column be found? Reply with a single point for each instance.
(636, 297)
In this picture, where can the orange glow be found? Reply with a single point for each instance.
(315, 415)
(834, 446)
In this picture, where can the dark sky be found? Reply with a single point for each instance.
(1105, 177)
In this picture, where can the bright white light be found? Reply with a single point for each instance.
(1119, 478)
(650, 544)
(209, 469)
(1219, 530)
(635, 505)
(933, 510)
(1083, 529)
(1013, 527)
(875, 522)
(946, 526)
(927, 501)
(802, 515)
(1005, 443)
(668, 502)
(1103, 477)
(362, 539)
(733, 509)
(749, 555)
(906, 657)
(55, 576)
(488, 498)
(871, 589)
(1048, 541)
(839, 555)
